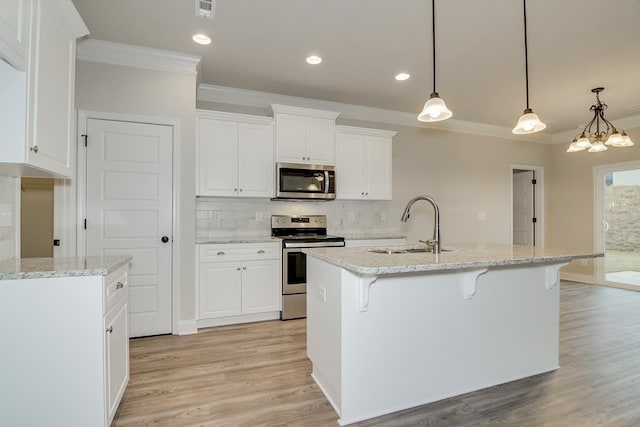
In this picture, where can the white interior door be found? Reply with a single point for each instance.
(129, 211)
(523, 207)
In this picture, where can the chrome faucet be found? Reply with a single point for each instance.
(435, 242)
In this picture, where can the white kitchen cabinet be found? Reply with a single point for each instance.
(14, 26)
(68, 336)
(238, 283)
(235, 155)
(37, 111)
(363, 163)
(304, 135)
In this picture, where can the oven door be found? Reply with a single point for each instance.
(294, 271)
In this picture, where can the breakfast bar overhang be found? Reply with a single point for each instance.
(390, 331)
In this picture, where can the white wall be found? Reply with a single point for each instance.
(36, 218)
(126, 90)
(9, 217)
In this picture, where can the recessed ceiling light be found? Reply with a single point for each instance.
(402, 76)
(201, 39)
(314, 60)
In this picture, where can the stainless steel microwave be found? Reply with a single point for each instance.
(300, 181)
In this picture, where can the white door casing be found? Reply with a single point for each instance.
(523, 208)
(129, 201)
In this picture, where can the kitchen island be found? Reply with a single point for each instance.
(390, 331)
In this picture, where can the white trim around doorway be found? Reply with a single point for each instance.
(539, 198)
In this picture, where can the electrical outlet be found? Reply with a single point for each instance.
(322, 294)
(217, 216)
(258, 216)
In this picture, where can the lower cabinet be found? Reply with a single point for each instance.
(67, 342)
(238, 283)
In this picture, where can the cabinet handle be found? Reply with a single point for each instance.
(241, 190)
(244, 268)
(366, 194)
(110, 329)
(235, 189)
(260, 251)
(220, 253)
(119, 285)
(238, 268)
(34, 149)
(362, 193)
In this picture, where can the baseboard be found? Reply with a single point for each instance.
(232, 320)
(187, 327)
(574, 277)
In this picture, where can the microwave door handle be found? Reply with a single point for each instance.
(326, 182)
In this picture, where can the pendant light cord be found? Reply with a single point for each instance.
(526, 53)
(433, 38)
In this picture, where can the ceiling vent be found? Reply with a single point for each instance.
(206, 8)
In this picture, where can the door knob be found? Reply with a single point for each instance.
(165, 239)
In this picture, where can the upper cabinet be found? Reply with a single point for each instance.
(14, 26)
(234, 155)
(363, 163)
(304, 135)
(37, 110)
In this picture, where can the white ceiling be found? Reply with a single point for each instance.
(574, 45)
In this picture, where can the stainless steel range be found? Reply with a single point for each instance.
(298, 232)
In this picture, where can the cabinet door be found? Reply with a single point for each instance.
(378, 168)
(320, 141)
(217, 158)
(255, 160)
(260, 286)
(14, 25)
(51, 90)
(116, 355)
(350, 168)
(290, 139)
(220, 290)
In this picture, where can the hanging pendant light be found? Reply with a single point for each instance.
(434, 109)
(599, 140)
(529, 122)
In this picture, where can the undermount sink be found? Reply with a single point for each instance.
(402, 250)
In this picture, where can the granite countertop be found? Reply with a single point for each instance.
(464, 256)
(237, 239)
(39, 268)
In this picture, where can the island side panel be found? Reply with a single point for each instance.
(421, 341)
(324, 327)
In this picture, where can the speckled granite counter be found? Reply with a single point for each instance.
(237, 239)
(466, 256)
(374, 236)
(39, 268)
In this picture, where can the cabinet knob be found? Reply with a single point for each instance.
(260, 251)
(220, 253)
(238, 268)
(362, 193)
(164, 239)
(366, 194)
(241, 190)
(34, 149)
(235, 189)
(110, 329)
(119, 285)
(244, 268)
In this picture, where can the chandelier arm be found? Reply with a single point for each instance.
(587, 128)
(609, 124)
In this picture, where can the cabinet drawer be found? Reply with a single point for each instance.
(116, 286)
(239, 252)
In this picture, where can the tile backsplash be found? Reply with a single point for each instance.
(220, 217)
(8, 201)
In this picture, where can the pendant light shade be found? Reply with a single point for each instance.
(529, 122)
(434, 109)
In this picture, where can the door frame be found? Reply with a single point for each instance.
(598, 218)
(79, 193)
(539, 202)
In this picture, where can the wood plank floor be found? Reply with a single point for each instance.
(258, 375)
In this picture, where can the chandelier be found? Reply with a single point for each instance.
(605, 133)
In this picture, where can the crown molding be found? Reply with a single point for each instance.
(233, 117)
(629, 122)
(264, 100)
(365, 131)
(106, 52)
